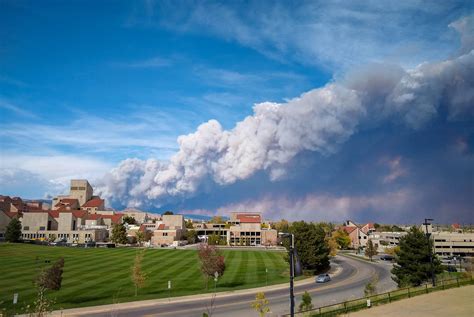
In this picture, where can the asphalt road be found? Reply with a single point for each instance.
(348, 284)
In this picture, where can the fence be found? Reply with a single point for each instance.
(361, 303)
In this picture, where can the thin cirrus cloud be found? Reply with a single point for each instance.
(154, 62)
(321, 33)
(96, 134)
(7, 106)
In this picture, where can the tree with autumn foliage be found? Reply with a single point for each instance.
(261, 304)
(212, 261)
(138, 276)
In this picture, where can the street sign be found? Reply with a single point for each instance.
(15, 298)
(169, 284)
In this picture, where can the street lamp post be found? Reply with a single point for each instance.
(426, 223)
(292, 270)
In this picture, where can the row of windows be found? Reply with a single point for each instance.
(78, 188)
(247, 233)
(245, 241)
(44, 235)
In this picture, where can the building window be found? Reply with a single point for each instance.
(26, 228)
(42, 228)
(165, 234)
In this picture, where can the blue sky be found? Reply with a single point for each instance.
(86, 85)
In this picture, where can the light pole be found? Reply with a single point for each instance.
(292, 269)
(216, 275)
(266, 276)
(426, 223)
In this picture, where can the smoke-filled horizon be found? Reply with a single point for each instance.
(374, 113)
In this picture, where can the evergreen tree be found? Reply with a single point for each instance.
(119, 234)
(412, 266)
(370, 249)
(13, 231)
(129, 220)
(311, 245)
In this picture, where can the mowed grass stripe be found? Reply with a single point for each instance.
(259, 268)
(101, 276)
(114, 279)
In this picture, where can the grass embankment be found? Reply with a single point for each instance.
(102, 276)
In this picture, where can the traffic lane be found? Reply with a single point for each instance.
(228, 305)
(324, 294)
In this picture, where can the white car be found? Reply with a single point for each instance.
(323, 278)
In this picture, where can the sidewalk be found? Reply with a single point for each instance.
(457, 302)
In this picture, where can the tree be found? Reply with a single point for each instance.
(412, 263)
(119, 234)
(130, 220)
(215, 239)
(212, 261)
(305, 302)
(13, 231)
(311, 245)
(140, 235)
(191, 236)
(342, 238)
(371, 287)
(52, 238)
(370, 249)
(138, 276)
(333, 246)
(392, 251)
(189, 224)
(282, 225)
(49, 278)
(217, 219)
(261, 304)
(168, 213)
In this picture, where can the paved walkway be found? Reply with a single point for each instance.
(457, 302)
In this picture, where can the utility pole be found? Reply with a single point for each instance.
(292, 275)
(430, 251)
(292, 269)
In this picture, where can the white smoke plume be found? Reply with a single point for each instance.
(319, 120)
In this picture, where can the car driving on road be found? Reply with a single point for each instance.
(323, 278)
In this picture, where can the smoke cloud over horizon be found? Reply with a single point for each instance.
(319, 121)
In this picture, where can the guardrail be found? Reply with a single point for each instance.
(383, 298)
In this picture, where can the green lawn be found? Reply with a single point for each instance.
(102, 276)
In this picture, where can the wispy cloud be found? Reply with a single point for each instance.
(6, 105)
(12, 81)
(396, 169)
(143, 132)
(155, 62)
(327, 34)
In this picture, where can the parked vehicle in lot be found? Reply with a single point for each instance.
(450, 268)
(387, 257)
(323, 278)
